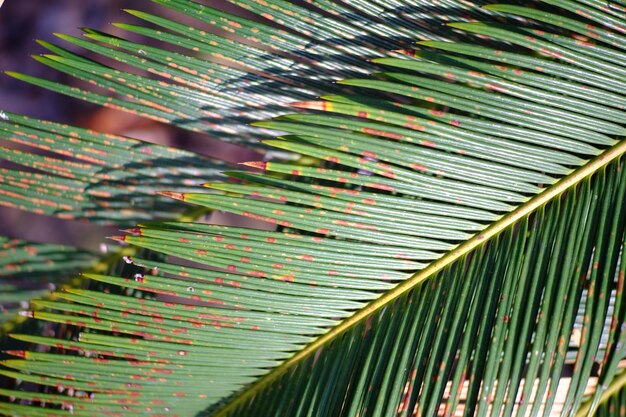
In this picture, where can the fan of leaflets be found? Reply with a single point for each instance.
(195, 80)
(219, 83)
(75, 173)
(494, 168)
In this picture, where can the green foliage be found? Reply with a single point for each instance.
(457, 215)
(30, 270)
(103, 178)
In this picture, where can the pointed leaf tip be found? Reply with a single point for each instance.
(214, 184)
(255, 164)
(17, 353)
(174, 195)
(117, 238)
(311, 105)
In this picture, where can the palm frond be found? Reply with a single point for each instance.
(261, 67)
(485, 332)
(71, 172)
(496, 174)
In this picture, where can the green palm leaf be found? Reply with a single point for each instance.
(29, 270)
(495, 174)
(115, 180)
(83, 174)
(613, 400)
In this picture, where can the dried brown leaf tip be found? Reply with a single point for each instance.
(174, 195)
(312, 105)
(255, 164)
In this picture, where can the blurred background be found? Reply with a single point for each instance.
(22, 23)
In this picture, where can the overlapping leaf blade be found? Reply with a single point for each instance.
(259, 70)
(458, 339)
(29, 270)
(250, 83)
(284, 288)
(77, 173)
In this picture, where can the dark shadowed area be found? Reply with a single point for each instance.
(22, 23)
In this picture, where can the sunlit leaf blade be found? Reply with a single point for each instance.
(217, 84)
(507, 194)
(202, 303)
(508, 305)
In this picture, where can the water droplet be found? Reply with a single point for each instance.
(166, 409)
(191, 289)
(139, 277)
(155, 270)
(60, 388)
(70, 392)
(182, 353)
(104, 248)
(127, 259)
(3, 115)
(142, 52)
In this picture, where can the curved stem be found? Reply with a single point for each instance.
(614, 387)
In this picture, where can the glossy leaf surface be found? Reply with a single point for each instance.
(451, 242)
